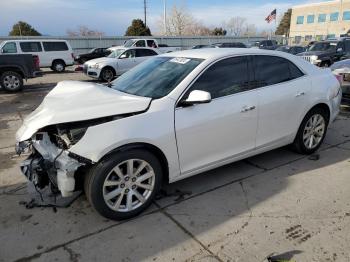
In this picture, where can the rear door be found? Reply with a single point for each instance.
(212, 133)
(143, 54)
(57, 50)
(34, 48)
(283, 95)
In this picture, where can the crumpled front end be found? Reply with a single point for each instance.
(50, 163)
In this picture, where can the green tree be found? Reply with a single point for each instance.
(284, 25)
(23, 28)
(137, 28)
(218, 31)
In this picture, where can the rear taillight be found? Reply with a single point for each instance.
(339, 78)
(36, 62)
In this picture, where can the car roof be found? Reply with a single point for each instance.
(214, 53)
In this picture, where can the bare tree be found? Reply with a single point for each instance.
(84, 31)
(180, 22)
(236, 25)
(250, 30)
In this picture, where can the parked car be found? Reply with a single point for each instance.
(118, 62)
(325, 53)
(342, 69)
(201, 46)
(172, 117)
(266, 44)
(291, 49)
(151, 43)
(15, 68)
(56, 54)
(92, 54)
(229, 45)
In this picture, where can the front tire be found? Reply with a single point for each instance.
(107, 74)
(124, 184)
(11, 81)
(312, 131)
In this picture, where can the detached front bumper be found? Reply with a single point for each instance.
(48, 164)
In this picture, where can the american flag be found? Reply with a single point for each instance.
(271, 16)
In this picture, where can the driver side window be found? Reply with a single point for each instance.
(9, 48)
(140, 43)
(128, 54)
(226, 77)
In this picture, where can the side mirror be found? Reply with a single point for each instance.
(123, 56)
(339, 50)
(197, 97)
(1, 51)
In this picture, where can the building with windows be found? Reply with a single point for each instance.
(319, 21)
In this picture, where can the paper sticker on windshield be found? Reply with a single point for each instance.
(180, 60)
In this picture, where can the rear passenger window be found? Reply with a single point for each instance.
(30, 47)
(145, 52)
(55, 46)
(270, 70)
(226, 77)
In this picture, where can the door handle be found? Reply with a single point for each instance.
(300, 94)
(247, 108)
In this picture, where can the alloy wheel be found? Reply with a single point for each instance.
(128, 185)
(314, 131)
(11, 82)
(107, 75)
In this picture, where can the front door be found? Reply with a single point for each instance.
(208, 134)
(126, 61)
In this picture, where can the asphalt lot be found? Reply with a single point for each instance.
(281, 203)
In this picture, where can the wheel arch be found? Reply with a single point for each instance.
(148, 147)
(323, 106)
(58, 60)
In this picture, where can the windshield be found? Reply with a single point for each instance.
(129, 43)
(156, 77)
(116, 53)
(323, 46)
(92, 50)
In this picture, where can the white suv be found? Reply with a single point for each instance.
(171, 117)
(56, 54)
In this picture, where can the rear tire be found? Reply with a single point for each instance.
(58, 66)
(11, 81)
(124, 184)
(312, 131)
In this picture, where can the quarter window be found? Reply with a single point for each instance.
(30, 47)
(310, 19)
(9, 48)
(140, 43)
(55, 46)
(271, 70)
(322, 18)
(226, 77)
(300, 20)
(334, 16)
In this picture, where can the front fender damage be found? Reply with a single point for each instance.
(49, 165)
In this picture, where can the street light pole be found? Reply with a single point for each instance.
(165, 25)
(144, 7)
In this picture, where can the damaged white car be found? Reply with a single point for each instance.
(171, 117)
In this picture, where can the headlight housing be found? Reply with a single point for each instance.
(314, 57)
(95, 66)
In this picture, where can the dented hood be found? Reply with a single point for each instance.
(72, 101)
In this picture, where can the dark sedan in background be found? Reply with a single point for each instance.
(291, 49)
(92, 54)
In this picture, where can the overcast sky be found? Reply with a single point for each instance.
(54, 17)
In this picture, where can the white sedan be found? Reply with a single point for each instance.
(172, 117)
(120, 60)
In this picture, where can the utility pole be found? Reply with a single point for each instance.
(145, 12)
(165, 26)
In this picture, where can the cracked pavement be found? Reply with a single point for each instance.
(280, 203)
